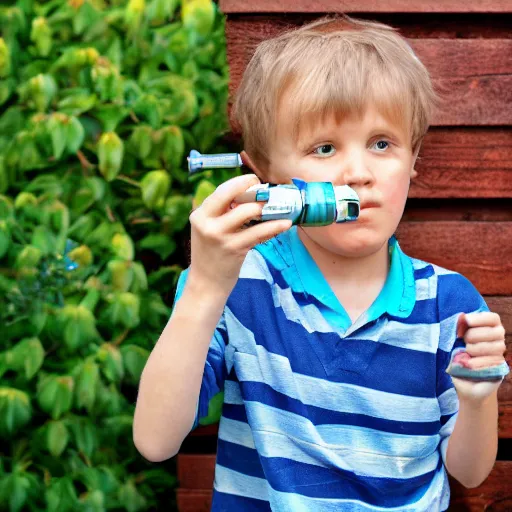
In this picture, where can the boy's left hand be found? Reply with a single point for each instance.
(484, 336)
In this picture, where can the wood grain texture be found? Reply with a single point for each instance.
(494, 495)
(503, 306)
(478, 250)
(195, 471)
(405, 6)
(464, 162)
(193, 500)
(473, 76)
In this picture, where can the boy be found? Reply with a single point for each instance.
(329, 343)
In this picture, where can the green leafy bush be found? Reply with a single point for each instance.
(100, 101)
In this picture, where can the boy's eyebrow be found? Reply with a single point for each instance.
(306, 138)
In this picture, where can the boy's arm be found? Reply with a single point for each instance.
(171, 380)
(473, 444)
(469, 409)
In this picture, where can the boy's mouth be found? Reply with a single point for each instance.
(365, 206)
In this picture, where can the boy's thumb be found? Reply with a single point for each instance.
(462, 325)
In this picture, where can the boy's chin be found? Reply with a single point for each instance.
(348, 243)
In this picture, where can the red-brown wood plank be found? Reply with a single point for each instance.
(195, 471)
(503, 306)
(478, 250)
(464, 162)
(474, 76)
(391, 6)
(193, 500)
(495, 494)
(208, 430)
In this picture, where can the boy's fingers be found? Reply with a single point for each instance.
(462, 325)
(217, 203)
(235, 218)
(481, 319)
(260, 233)
(486, 348)
(480, 334)
(476, 363)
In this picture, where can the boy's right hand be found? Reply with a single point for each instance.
(219, 242)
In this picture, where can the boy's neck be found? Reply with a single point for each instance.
(348, 271)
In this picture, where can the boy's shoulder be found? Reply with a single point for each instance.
(453, 291)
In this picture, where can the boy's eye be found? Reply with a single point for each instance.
(381, 145)
(325, 150)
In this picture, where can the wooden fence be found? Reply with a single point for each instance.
(459, 212)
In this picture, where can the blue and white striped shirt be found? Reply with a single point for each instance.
(320, 415)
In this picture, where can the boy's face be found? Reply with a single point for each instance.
(370, 154)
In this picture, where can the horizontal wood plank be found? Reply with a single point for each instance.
(485, 210)
(495, 494)
(193, 500)
(464, 162)
(475, 249)
(195, 471)
(473, 76)
(503, 306)
(391, 6)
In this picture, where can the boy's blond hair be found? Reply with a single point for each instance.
(336, 65)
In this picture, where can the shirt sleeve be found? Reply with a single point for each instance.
(211, 392)
(456, 295)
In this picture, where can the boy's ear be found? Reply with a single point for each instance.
(246, 159)
(414, 172)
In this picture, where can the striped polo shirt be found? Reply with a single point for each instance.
(322, 415)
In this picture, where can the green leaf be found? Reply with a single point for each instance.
(198, 15)
(55, 394)
(134, 359)
(27, 355)
(140, 278)
(57, 437)
(5, 238)
(76, 104)
(173, 146)
(15, 410)
(14, 489)
(159, 243)
(93, 501)
(155, 187)
(122, 246)
(84, 434)
(75, 135)
(86, 384)
(110, 155)
(204, 189)
(130, 498)
(43, 239)
(141, 141)
(78, 324)
(124, 309)
(61, 495)
(111, 362)
(178, 209)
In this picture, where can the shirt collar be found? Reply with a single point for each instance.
(397, 297)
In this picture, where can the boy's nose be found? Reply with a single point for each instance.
(354, 171)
